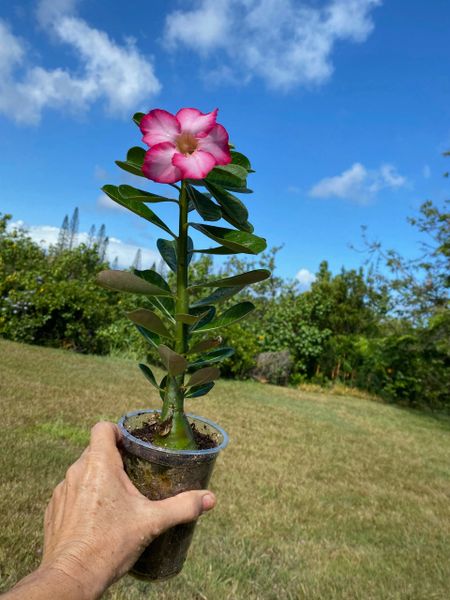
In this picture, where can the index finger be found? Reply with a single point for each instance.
(104, 439)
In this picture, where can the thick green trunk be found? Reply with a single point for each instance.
(180, 436)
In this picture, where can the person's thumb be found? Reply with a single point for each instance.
(182, 508)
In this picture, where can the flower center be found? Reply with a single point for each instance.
(186, 143)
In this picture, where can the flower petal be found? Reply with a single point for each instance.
(194, 166)
(196, 122)
(158, 164)
(216, 143)
(159, 126)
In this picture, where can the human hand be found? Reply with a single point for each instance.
(97, 523)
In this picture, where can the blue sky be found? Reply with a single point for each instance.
(343, 107)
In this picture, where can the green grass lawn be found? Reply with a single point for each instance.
(319, 496)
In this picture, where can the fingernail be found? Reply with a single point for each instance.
(208, 502)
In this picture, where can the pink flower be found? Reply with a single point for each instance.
(187, 145)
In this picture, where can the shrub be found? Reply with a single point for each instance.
(246, 344)
(273, 367)
(50, 298)
(121, 339)
(410, 367)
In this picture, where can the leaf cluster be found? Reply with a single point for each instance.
(214, 199)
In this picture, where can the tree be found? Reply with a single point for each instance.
(137, 262)
(73, 229)
(102, 242)
(420, 285)
(91, 237)
(410, 361)
(64, 235)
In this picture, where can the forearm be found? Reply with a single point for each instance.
(50, 582)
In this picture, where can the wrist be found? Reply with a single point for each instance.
(68, 582)
(49, 582)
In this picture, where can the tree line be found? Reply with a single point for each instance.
(384, 327)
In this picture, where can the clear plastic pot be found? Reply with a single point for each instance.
(159, 473)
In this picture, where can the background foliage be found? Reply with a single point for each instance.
(384, 327)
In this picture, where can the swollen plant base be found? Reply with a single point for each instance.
(159, 473)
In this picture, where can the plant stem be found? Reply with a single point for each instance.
(182, 304)
(180, 436)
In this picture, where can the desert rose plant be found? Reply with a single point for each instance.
(189, 151)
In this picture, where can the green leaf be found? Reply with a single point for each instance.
(232, 207)
(124, 281)
(236, 281)
(136, 155)
(150, 320)
(200, 390)
(188, 319)
(133, 163)
(228, 175)
(155, 279)
(233, 314)
(174, 362)
(205, 345)
(218, 296)
(205, 207)
(129, 192)
(168, 250)
(240, 241)
(162, 387)
(152, 338)
(206, 317)
(137, 207)
(203, 376)
(238, 190)
(137, 117)
(231, 177)
(149, 375)
(165, 304)
(217, 250)
(212, 357)
(237, 158)
(247, 226)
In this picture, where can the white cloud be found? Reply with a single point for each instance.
(305, 278)
(210, 23)
(105, 202)
(117, 75)
(127, 252)
(388, 177)
(49, 10)
(358, 184)
(11, 49)
(284, 42)
(47, 235)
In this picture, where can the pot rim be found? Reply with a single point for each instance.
(171, 451)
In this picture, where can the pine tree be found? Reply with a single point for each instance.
(73, 229)
(63, 236)
(102, 242)
(91, 236)
(137, 262)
